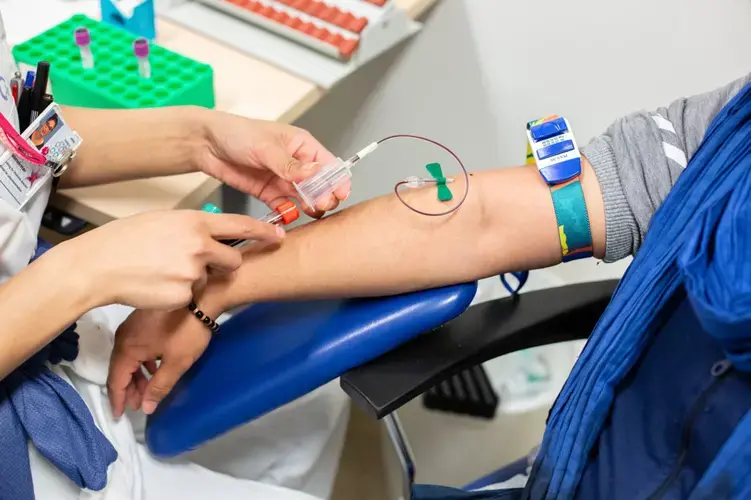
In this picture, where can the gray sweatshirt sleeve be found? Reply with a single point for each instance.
(639, 158)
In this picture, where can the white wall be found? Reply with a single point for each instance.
(475, 75)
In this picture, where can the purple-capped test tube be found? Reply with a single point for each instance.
(141, 50)
(83, 40)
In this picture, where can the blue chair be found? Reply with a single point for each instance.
(386, 351)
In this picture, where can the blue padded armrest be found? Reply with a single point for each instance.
(271, 354)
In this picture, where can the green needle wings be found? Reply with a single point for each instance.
(444, 193)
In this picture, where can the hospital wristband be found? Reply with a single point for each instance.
(574, 231)
(552, 147)
(210, 323)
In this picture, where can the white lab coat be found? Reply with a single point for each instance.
(295, 447)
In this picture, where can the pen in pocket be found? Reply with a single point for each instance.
(16, 86)
(39, 89)
(24, 102)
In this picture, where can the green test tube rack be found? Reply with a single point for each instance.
(115, 82)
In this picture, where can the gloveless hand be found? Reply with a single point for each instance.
(177, 338)
(263, 159)
(155, 260)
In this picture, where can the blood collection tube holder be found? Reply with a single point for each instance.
(331, 177)
(325, 182)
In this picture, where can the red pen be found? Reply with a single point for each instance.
(16, 86)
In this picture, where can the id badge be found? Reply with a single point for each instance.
(25, 168)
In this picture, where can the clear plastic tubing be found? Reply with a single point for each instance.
(141, 50)
(83, 41)
(330, 177)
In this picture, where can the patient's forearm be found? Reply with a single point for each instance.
(380, 247)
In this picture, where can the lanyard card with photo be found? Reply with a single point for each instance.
(21, 176)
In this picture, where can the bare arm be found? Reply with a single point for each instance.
(379, 247)
(375, 248)
(131, 144)
(34, 315)
(152, 260)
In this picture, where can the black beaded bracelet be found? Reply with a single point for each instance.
(203, 317)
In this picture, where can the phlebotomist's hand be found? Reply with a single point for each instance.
(263, 158)
(157, 260)
(257, 157)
